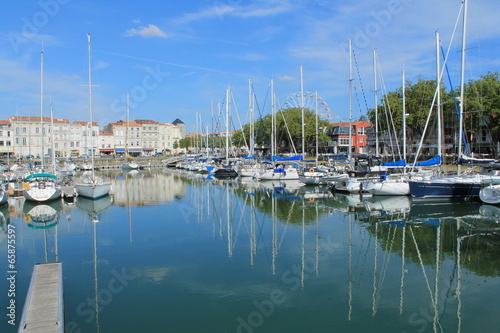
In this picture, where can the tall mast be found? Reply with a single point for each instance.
(273, 121)
(316, 133)
(376, 99)
(53, 155)
(438, 97)
(462, 86)
(404, 115)
(302, 111)
(90, 107)
(227, 123)
(126, 127)
(251, 109)
(41, 108)
(350, 100)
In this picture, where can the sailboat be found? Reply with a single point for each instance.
(314, 176)
(92, 186)
(280, 171)
(226, 171)
(129, 163)
(41, 187)
(465, 187)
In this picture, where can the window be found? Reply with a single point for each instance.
(361, 130)
(344, 141)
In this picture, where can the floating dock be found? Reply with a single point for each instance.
(44, 309)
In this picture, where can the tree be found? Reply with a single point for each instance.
(482, 97)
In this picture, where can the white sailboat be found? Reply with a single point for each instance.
(314, 176)
(92, 186)
(461, 186)
(129, 163)
(41, 187)
(280, 171)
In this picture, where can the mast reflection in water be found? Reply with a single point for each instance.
(173, 251)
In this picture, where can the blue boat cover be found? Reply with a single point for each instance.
(433, 161)
(291, 158)
(401, 163)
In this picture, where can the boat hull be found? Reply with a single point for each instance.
(312, 178)
(225, 173)
(445, 190)
(92, 191)
(490, 194)
(280, 174)
(387, 188)
(42, 195)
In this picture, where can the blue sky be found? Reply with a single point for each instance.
(176, 58)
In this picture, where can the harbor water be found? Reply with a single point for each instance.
(173, 251)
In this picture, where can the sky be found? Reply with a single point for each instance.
(176, 59)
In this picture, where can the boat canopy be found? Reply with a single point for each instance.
(249, 157)
(433, 161)
(291, 158)
(38, 175)
(400, 163)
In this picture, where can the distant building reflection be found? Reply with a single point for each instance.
(142, 188)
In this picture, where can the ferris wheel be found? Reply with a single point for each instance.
(311, 101)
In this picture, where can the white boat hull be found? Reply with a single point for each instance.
(41, 195)
(387, 187)
(490, 194)
(4, 197)
(93, 191)
(130, 166)
(288, 174)
(313, 178)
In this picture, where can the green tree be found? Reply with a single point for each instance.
(482, 97)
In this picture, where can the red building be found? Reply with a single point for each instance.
(339, 136)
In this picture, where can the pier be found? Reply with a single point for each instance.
(44, 308)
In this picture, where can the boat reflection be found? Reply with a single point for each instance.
(41, 215)
(4, 221)
(94, 208)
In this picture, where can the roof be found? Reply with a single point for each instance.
(84, 123)
(38, 119)
(355, 123)
(177, 121)
(145, 121)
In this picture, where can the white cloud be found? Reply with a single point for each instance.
(100, 65)
(285, 78)
(259, 9)
(150, 31)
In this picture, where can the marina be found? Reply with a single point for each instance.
(178, 251)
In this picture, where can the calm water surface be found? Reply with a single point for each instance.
(177, 252)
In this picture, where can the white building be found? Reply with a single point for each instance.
(23, 136)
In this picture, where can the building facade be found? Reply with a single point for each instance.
(33, 137)
(341, 138)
